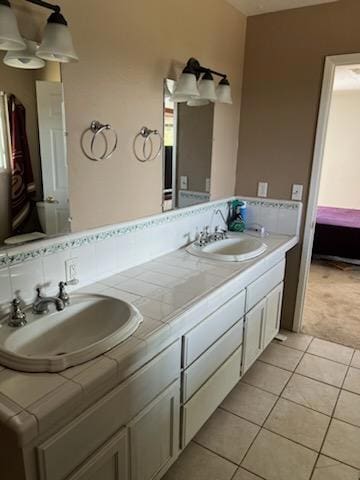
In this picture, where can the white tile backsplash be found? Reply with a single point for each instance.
(138, 242)
(25, 277)
(5, 290)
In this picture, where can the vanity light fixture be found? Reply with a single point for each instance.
(10, 38)
(26, 58)
(223, 91)
(56, 45)
(196, 86)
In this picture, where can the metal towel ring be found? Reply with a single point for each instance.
(98, 128)
(146, 133)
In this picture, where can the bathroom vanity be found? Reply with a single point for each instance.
(129, 413)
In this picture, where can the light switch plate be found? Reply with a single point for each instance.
(184, 182)
(297, 192)
(263, 189)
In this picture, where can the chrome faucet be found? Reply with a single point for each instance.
(219, 212)
(63, 295)
(41, 303)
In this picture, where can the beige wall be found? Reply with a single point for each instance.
(194, 145)
(339, 185)
(126, 49)
(284, 61)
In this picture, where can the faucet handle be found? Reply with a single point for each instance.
(18, 317)
(38, 291)
(63, 295)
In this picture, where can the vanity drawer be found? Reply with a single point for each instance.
(60, 454)
(257, 290)
(201, 337)
(201, 406)
(197, 374)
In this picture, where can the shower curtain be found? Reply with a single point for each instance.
(22, 179)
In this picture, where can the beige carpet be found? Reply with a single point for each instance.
(332, 304)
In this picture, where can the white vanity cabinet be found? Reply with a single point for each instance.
(154, 436)
(132, 432)
(110, 462)
(273, 314)
(136, 431)
(262, 323)
(211, 361)
(253, 335)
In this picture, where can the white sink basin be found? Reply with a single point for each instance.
(237, 248)
(88, 327)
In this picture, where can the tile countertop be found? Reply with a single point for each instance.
(168, 291)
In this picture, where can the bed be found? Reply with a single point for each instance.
(337, 233)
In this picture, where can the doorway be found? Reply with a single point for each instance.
(328, 301)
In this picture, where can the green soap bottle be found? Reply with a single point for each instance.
(236, 222)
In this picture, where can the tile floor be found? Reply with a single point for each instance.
(294, 416)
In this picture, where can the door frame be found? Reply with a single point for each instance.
(331, 63)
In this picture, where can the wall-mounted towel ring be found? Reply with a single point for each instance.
(148, 146)
(99, 129)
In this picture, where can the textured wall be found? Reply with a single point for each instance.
(339, 186)
(284, 62)
(126, 49)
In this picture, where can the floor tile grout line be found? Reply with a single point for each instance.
(329, 341)
(262, 427)
(215, 453)
(248, 471)
(292, 440)
(327, 358)
(332, 418)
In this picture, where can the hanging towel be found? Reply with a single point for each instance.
(22, 179)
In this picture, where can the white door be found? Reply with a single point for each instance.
(273, 313)
(108, 463)
(254, 334)
(154, 436)
(52, 136)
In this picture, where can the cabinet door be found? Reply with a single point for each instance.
(273, 313)
(154, 436)
(108, 463)
(253, 335)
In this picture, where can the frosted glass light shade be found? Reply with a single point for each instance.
(10, 38)
(186, 86)
(25, 58)
(223, 92)
(195, 102)
(57, 44)
(207, 88)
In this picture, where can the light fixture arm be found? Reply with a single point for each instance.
(47, 5)
(197, 69)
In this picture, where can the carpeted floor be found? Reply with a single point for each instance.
(332, 304)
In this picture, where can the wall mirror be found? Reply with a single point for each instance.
(34, 199)
(188, 140)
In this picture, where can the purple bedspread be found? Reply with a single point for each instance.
(341, 217)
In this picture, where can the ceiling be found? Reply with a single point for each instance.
(347, 78)
(256, 7)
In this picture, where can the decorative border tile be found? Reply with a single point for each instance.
(60, 244)
(270, 203)
(82, 239)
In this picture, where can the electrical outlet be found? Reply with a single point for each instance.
(263, 189)
(297, 192)
(184, 182)
(71, 269)
(207, 185)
